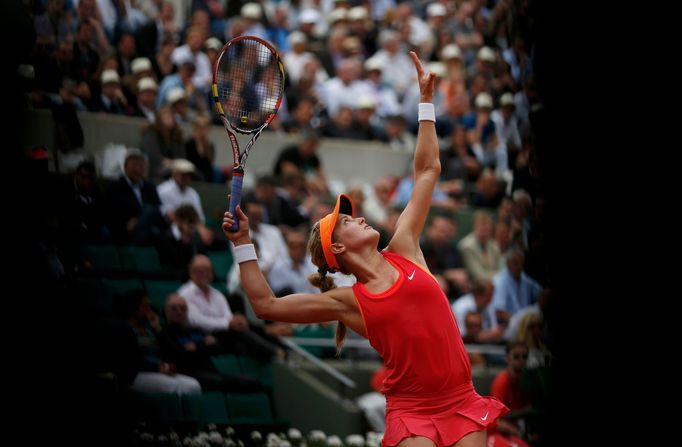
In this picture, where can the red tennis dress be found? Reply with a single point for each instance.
(428, 385)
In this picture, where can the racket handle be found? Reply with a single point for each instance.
(236, 196)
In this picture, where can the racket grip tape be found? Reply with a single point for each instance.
(236, 197)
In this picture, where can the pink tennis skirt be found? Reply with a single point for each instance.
(444, 418)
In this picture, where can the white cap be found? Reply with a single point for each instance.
(213, 43)
(309, 15)
(357, 13)
(365, 102)
(507, 99)
(436, 9)
(140, 64)
(146, 84)
(484, 100)
(110, 76)
(182, 166)
(251, 11)
(438, 68)
(336, 15)
(486, 54)
(297, 37)
(373, 63)
(451, 51)
(175, 94)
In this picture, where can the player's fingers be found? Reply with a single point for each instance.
(417, 63)
(240, 213)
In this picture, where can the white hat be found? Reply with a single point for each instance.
(309, 15)
(436, 9)
(251, 11)
(357, 13)
(438, 68)
(484, 100)
(110, 76)
(140, 64)
(336, 15)
(507, 99)
(451, 51)
(213, 43)
(365, 102)
(182, 166)
(374, 63)
(486, 54)
(296, 37)
(175, 94)
(146, 84)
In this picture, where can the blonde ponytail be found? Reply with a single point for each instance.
(320, 279)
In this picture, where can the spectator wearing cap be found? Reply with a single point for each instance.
(162, 142)
(183, 79)
(361, 26)
(176, 99)
(506, 126)
(489, 150)
(213, 46)
(366, 121)
(111, 99)
(297, 55)
(191, 50)
(145, 102)
(312, 24)
(485, 64)
(133, 203)
(177, 191)
(140, 67)
(252, 14)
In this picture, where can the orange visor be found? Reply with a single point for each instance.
(344, 205)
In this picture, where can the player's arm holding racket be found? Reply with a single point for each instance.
(248, 85)
(333, 305)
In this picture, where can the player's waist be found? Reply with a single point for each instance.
(435, 401)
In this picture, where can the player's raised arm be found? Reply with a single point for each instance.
(426, 172)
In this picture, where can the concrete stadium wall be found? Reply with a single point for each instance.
(309, 404)
(345, 161)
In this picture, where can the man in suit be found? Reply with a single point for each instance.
(134, 204)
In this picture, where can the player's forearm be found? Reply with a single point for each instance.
(256, 287)
(426, 156)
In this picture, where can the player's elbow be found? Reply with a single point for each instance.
(263, 309)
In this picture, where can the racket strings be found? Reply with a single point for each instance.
(250, 84)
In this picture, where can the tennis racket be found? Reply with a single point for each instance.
(248, 83)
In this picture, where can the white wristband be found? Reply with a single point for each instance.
(245, 252)
(427, 112)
